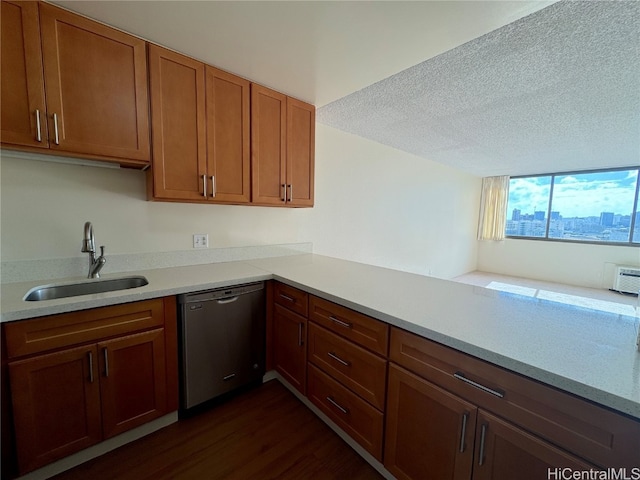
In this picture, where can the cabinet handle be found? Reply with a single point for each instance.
(483, 436)
(340, 322)
(337, 405)
(55, 129)
(229, 377)
(300, 342)
(106, 361)
(284, 194)
(204, 186)
(497, 393)
(338, 359)
(90, 367)
(213, 186)
(290, 192)
(287, 297)
(463, 433)
(38, 129)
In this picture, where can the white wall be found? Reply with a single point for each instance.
(45, 205)
(585, 265)
(374, 204)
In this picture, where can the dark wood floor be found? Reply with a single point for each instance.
(265, 433)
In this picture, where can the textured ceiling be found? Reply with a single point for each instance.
(317, 51)
(558, 90)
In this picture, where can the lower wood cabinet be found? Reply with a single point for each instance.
(290, 346)
(363, 422)
(429, 432)
(432, 434)
(430, 412)
(504, 452)
(133, 384)
(88, 376)
(56, 405)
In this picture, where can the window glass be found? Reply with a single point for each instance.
(527, 207)
(590, 207)
(593, 207)
(636, 227)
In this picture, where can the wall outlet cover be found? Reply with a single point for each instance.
(200, 240)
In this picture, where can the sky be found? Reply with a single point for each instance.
(575, 195)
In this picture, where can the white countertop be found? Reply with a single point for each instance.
(589, 353)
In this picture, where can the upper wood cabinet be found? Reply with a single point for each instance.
(282, 149)
(228, 146)
(301, 134)
(22, 98)
(200, 126)
(95, 80)
(178, 125)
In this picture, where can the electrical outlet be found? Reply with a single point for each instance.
(200, 240)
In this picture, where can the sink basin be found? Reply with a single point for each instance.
(88, 287)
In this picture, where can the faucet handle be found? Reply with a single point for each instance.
(102, 250)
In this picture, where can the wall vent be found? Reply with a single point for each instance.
(627, 279)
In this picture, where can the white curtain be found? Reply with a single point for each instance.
(493, 208)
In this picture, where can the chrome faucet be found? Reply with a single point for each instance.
(89, 246)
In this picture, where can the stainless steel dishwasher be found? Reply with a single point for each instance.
(222, 341)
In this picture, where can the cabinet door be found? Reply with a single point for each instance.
(23, 108)
(56, 405)
(132, 381)
(96, 87)
(178, 124)
(429, 432)
(301, 132)
(505, 452)
(268, 147)
(228, 155)
(289, 347)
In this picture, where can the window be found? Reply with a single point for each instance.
(598, 206)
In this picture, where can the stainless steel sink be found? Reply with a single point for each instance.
(88, 287)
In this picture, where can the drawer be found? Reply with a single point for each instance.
(356, 368)
(604, 437)
(27, 337)
(361, 329)
(292, 298)
(355, 416)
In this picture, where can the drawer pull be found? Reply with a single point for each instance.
(106, 361)
(340, 322)
(287, 297)
(38, 128)
(338, 359)
(90, 367)
(483, 436)
(337, 405)
(460, 376)
(463, 433)
(300, 341)
(55, 129)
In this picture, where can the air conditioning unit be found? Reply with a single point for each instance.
(627, 279)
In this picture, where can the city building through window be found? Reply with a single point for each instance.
(596, 206)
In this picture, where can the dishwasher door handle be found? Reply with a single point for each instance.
(228, 300)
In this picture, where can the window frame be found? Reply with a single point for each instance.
(546, 238)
